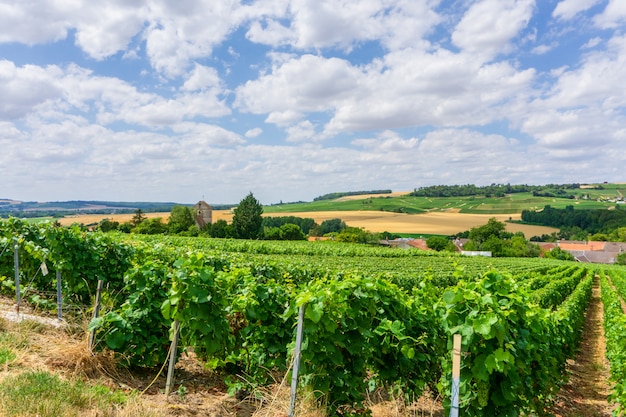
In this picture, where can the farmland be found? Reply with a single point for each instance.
(375, 318)
(400, 213)
(509, 204)
(445, 223)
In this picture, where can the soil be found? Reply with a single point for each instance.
(585, 394)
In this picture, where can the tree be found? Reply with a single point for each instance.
(272, 233)
(305, 224)
(493, 228)
(137, 218)
(519, 247)
(107, 225)
(247, 218)
(332, 226)
(558, 253)
(287, 231)
(617, 235)
(181, 219)
(356, 235)
(125, 227)
(437, 243)
(389, 236)
(151, 227)
(291, 231)
(219, 229)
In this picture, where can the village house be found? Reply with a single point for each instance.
(589, 251)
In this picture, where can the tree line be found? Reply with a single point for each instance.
(248, 223)
(588, 224)
(494, 190)
(333, 196)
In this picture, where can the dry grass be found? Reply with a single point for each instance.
(275, 400)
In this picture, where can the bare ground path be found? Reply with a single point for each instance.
(586, 392)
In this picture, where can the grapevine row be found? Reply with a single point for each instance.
(365, 325)
(615, 329)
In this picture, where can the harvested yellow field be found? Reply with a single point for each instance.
(122, 218)
(96, 218)
(444, 223)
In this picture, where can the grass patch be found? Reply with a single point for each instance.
(44, 394)
(6, 355)
(14, 340)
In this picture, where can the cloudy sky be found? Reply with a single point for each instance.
(161, 100)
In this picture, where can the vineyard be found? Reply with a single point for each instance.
(374, 318)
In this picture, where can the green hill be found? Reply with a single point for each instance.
(586, 197)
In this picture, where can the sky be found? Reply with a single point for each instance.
(178, 101)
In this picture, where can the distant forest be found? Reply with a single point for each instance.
(30, 209)
(332, 196)
(495, 190)
(590, 220)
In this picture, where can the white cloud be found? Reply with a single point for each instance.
(284, 118)
(346, 83)
(202, 78)
(596, 82)
(33, 22)
(253, 133)
(307, 83)
(441, 89)
(406, 88)
(270, 32)
(204, 136)
(592, 43)
(542, 49)
(613, 16)
(567, 9)
(25, 88)
(182, 31)
(301, 132)
(489, 26)
(107, 27)
(345, 24)
(176, 33)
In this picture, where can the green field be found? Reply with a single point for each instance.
(513, 203)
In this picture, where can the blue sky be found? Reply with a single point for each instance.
(154, 100)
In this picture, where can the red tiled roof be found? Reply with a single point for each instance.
(589, 246)
(419, 244)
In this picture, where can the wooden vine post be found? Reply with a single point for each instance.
(456, 375)
(296, 360)
(16, 261)
(59, 297)
(96, 311)
(172, 360)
